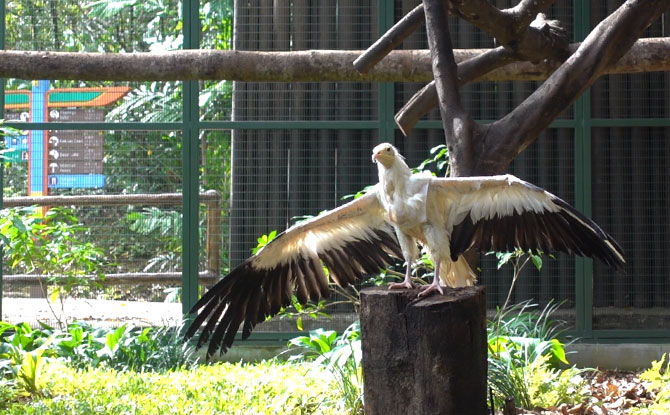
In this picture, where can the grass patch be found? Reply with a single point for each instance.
(262, 388)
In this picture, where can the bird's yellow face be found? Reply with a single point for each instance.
(384, 153)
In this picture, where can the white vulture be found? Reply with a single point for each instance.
(447, 216)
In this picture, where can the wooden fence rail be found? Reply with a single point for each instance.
(210, 198)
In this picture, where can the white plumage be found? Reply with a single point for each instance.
(447, 216)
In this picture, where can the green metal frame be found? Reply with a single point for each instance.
(2, 165)
(191, 126)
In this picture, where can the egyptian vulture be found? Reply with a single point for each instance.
(447, 216)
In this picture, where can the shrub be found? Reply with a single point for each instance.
(264, 388)
(658, 379)
(523, 356)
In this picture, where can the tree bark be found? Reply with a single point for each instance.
(427, 356)
(604, 46)
(457, 124)
(647, 55)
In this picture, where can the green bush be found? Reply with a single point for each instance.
(263, 388)
(524, 354)
(148, 349)
(341, 355)
(658, 380)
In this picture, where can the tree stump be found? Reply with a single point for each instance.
(424, 356)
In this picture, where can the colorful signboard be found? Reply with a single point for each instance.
(60, 158)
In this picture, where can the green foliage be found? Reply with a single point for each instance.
(524, 355)
(438, 161)
(264, 388)
(341, 355)
(164, 225)
(263, 240)
(81, 345)
(298, 311)
(51, 245)
(658, 379)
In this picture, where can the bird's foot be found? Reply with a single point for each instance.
(400, 285)
(430, 289)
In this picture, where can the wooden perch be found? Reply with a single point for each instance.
(427, 356)
(604, 46)
(647, 55)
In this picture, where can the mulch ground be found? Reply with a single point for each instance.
(612, 393)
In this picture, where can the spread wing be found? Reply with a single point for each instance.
(501, 213)
(352, 240)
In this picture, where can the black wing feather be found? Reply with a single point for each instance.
(248, 295)
(565, 230)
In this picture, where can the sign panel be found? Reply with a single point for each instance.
(69, 181)
(75, 139)
(60, 159)
(74, 167)
(76, 153)
(17, 143)
(76, 114)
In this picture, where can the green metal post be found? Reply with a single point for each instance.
(386, 90)
(190, 165)
(582, 107)
(2, 116)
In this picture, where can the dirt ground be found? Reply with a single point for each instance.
(98, 312)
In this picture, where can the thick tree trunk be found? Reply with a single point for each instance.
(424, 357)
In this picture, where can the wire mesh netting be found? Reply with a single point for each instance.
(630, 199)
(295, 26)
(115, 233)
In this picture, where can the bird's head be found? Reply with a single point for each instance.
(385, 154)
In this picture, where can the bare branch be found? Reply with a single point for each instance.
(426, 98)
(510, 29)
(457, 123)
(602, 48)
(525, 12)
(390, 40)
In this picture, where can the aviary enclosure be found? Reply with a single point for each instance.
(273, 151)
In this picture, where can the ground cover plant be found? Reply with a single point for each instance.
(88, 370)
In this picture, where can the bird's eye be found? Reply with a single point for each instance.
(388, 149)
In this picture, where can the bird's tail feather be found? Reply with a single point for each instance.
(457, 274)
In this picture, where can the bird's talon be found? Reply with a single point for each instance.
(430, 290)
(400, 285)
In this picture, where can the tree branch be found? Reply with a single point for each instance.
(510, 28)
(601, 49)
(525, 12)
(426, 98)
(390, 40)
(647, 55)
(457, 123)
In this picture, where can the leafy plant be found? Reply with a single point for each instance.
(524, 355)
(341, 355)
(518, 259)
(51, 245)
(658, 379)
(271, 387)
(123, 348)
(23, 352)
(438, 160)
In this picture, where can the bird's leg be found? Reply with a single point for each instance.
(407, 282)
(435, 285)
